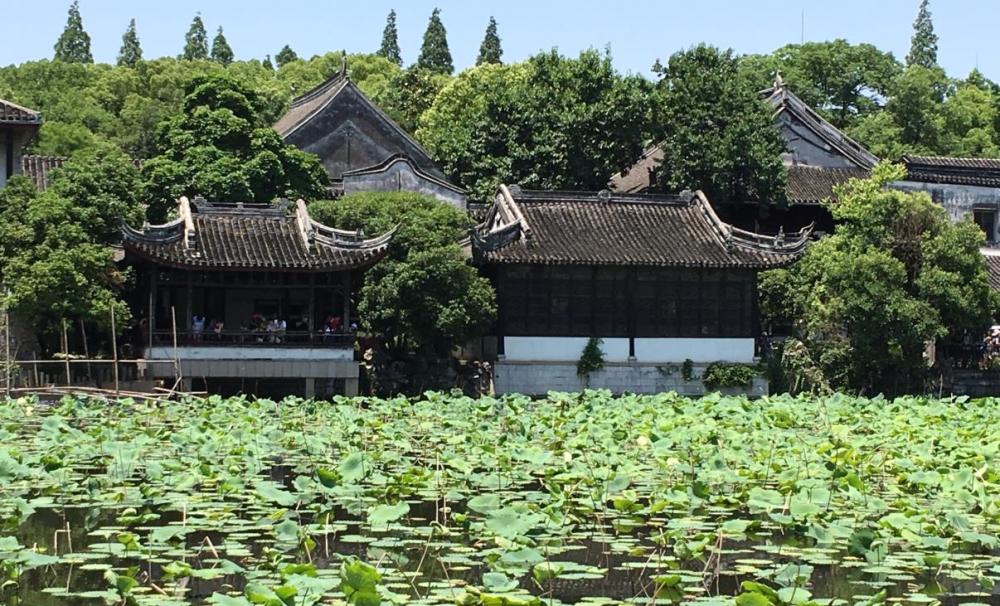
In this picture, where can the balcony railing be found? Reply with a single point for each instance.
(255, 338)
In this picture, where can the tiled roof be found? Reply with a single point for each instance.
(252, 237)
(814, 184)
(992, 258)
(12, 113)
(782, 99)
(578, 228)
(39, 169)
(638, 178)
(982, 172)
(806, 184)
(304, 106)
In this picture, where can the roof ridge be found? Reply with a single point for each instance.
(315, 91)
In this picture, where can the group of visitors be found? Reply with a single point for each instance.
(991, 347)
(264, 329)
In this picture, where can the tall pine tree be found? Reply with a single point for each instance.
(285, 56)
(434, 54)
(489, 50)
(924, 43)
(196, 40)
(73, 45)
(390, 40)
(221, 51)
(267, 63)
(130, 53)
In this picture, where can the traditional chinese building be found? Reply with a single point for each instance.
(250, 298)
(18, 126)
(660, 279)
(360, 146)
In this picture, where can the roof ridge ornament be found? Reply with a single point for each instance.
(184, 213)
(779, 82)
(604, 196)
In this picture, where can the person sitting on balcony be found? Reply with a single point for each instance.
(216, 327)
(197, 327)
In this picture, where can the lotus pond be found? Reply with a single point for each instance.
(576, 498)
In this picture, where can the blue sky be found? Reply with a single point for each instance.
(637, 31)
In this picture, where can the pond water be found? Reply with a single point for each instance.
(574, 500)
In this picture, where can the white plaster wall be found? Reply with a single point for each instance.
(958, 200)
(696, 350)
(250, 353)
(569, 349)
(560, 349)
(539, 378)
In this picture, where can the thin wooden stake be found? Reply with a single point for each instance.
(6, 346)
(69, 376)
(114, 349)
(86, 350)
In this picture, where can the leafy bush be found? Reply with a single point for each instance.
(720, 375)
(592, 358)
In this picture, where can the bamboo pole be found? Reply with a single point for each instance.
(6, 347)
(65, 338)
(86, 350)
(114, 349)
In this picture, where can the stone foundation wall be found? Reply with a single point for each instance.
(538, 378)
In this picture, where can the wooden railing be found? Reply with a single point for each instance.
(255, 338)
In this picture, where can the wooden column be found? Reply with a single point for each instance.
(501, 310)
(347, 299)
(188, 295)
(312, 304)
(9, 149)
(152, 305)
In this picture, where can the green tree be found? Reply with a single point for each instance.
(424, 300)
(489, 50)
(196, 40)
(267, 63)
(434, 53)
(409, 94)
(969, 117)
(285, 56)
(73, 45)
(221, 51)
(131, 52)
(223, 149)
(896, 274)
(55, 260)
(551, 122)
(916, 105)
(924, 43)
(717, 135)
(844, 82)
(390, 41)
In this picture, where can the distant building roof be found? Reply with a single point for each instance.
(982, 172)
(603, 228)
(784, 100)
(341, 125)
(814, 184)
(252, 237)
(39, 169)
(14, 114)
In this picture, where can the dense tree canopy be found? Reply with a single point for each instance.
(434, 53)
(73, 45)
(131, 51)
(489, 50)
(551, 122)
(196, 40)
(221, 51)
(221, 148)
(424, 300)
(285, 56)
(55, 261)
(843, 81)
(895, 275)
(717, 134)
(389, 48)
(924, 43)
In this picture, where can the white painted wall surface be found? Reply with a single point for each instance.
(250, 353)
(560, 349)
(696, 350)
(569, 349)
